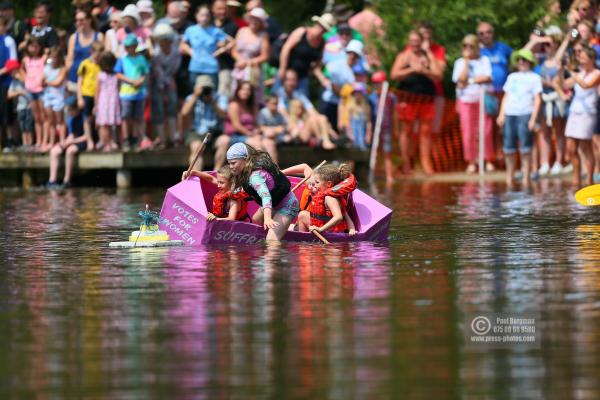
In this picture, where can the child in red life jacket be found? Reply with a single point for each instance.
(226, 204)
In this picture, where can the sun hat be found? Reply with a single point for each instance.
(130, 40)
(163, 31)
(379, 77)
(354, 46)
(204, 81)
(359, 87)
(525, 54)
(238, 151)
(327, 21)
(258, 13)
(233, 3)
(145, 6)
(11, 65)
(131, 11)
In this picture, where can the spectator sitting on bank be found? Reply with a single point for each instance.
(132, 71)
(272, 125)
(206, 116)
(304, 128)
(240, 125)
(17, 91)
(87, 85)
(165, 63)
(74, 143)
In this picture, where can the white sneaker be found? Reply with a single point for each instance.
(567, 169)
(544, 170)
(556, 169)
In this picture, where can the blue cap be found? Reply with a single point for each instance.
(130, 40)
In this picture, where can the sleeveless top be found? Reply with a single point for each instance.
(417, 84)
(250, 49)
(80, 54)
(303, 55)
(584, 100)
(51, 74)
(247, 120)
(34, 75)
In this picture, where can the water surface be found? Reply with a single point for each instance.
(347, 321)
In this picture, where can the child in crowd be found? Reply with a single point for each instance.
(165, 63)
(55, 74)
(387, 120)
(17, 91)
(74, 143)
(272, 125)
(33, 72)
(359, 113)
(518, 113)
(87, 84)
(226, 205)
(132, 70)
(327, 207)
(106, 102)
(311, 129)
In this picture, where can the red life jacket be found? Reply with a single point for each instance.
(340, 190)
(221, 199)
(306, 199)
(320, 215)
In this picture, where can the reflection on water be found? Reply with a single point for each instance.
(351, 321)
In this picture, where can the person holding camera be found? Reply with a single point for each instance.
(207, 116)
(581, 122)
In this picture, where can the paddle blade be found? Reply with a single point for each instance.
(589, 195)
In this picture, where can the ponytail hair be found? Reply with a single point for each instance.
(333, 174)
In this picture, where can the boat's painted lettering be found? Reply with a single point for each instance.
(185, 213)
(188, 238)
(235, 237)
(181, 222)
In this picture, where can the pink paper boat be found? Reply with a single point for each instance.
(184, 210)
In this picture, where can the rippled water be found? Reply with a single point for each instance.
(353, 321)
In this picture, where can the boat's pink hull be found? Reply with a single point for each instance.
(184, 210)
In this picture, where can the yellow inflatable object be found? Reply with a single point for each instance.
(148, 234)
(589, 195)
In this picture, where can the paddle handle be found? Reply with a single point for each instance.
(318, 234)
(308, 177)
(377, 133)
(198, 153)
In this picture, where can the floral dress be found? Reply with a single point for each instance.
(108, 107)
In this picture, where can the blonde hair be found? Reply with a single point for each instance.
(474, 40)
(332, 173)
(359, 106)
(225, 172)
(295, 106)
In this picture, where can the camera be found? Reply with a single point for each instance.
(574, 33)
(206, 91)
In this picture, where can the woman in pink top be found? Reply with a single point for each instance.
(33, 70)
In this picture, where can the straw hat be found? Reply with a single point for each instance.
(233, 3)
(327, 21)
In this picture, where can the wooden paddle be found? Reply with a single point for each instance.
(318, 234)
(589, 195)
(198, 153)
(308, 177)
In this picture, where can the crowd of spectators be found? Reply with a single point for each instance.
(125, 79)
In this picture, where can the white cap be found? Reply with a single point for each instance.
(145, 6)
(163, 31)
(354, 46)
(131, 11)
(258, 13)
